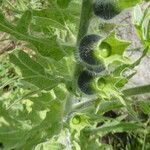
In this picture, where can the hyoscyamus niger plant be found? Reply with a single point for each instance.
(73, 79)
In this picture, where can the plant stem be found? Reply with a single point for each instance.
(128, 92)
(86, 14)
(137, 90)
(83, 104)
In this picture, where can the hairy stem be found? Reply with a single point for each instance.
(81, 105)
(128, 92)
(86, 14)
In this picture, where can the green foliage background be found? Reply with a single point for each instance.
(43, 108)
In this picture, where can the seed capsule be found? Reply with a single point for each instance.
(87, 45)
(85, 82)
(106, 9)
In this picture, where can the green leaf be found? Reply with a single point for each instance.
(63, 4)
(146, 26)
(1, 2)
(53, 120)
(127, 3)
(51, 12)
(109, 105)
(48, 47)
(33, 72)
(11, 137)
(88, 142)
(6, 26)
(42, 102)
(52, 123)
(117, 127)
(48, 22)
(22, 129)
(144, 106)
(10, 132)
(24, 22)
(117, 48)
(117, 45)
(63, 68)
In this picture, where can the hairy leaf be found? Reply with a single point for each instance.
(33, 72)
